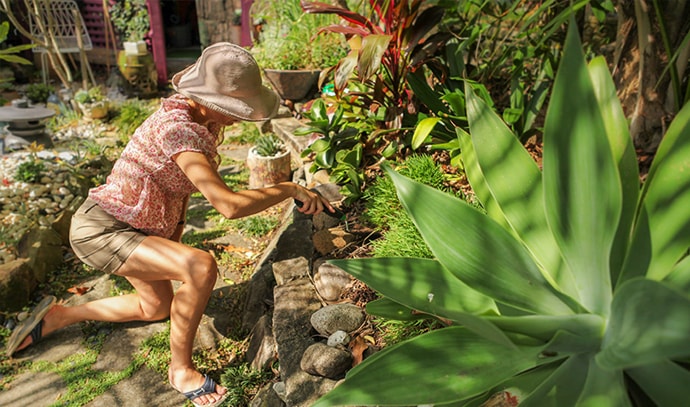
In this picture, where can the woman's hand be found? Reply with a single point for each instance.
(312, 202)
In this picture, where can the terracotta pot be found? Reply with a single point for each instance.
(293, 85)
(267, 171)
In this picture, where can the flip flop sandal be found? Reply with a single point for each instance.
(30, 326)
(208, 387)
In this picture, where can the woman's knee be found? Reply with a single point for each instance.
(203, 269)
(155, 310)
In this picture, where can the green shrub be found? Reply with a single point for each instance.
(38, 92)
(571, 290)
(130, 115)
(381, 201)
(384, 210)
(30, 171)
(242, 383)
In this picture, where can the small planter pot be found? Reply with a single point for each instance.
(267, 171)
(97, 110)
(293, 85)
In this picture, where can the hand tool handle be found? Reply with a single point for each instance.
(338, 214)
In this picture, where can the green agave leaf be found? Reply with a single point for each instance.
(648, 324)
(680, 276)
(581, 183)
(514, 182)
(603, 388)
(562, 387)
(466, 242)
(515, 389)
(616, 126)
(476, 178)
(666, 194)
(665, 382)
(389, 309)
(545, 327)
(421, 284)
(639, 253)
(425, 285)
(448, 364)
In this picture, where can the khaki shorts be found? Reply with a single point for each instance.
(100, 240)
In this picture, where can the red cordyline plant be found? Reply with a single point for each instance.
(395, 40)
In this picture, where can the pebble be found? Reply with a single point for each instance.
(338, 338)
(24, 205)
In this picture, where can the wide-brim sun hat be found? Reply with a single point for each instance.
(227, 79)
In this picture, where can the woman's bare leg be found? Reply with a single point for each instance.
(151, 268)
(157, 258)
(151, 302)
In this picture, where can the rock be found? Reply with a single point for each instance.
(259, 296)
(323, 221)
(322, 360)
(267, 397)
(16, 283)
(338, 338)
(337, 317)
(328, 240)
(330, 281)
(279, 389)
(291, 269)
(43, 247)
(262, 351)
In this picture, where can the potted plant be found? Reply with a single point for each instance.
(268, 161)
(92, 103)
(290, 48)
(131, 21)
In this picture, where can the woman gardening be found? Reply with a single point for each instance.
(131, 226)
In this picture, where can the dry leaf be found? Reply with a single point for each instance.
(80, 290)
(357, 347)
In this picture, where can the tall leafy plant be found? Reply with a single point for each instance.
(572, 289)
(396, 38)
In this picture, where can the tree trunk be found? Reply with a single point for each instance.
(640, 66)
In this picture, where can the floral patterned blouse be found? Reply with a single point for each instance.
(146, 188)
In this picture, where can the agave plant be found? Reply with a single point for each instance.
(573, 288)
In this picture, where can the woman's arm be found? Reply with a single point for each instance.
(247, 202)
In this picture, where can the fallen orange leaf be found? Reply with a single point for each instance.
(78, 290)
(357, 347)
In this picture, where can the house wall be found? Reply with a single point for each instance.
(219, 21)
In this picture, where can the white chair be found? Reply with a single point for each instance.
(59, 27)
